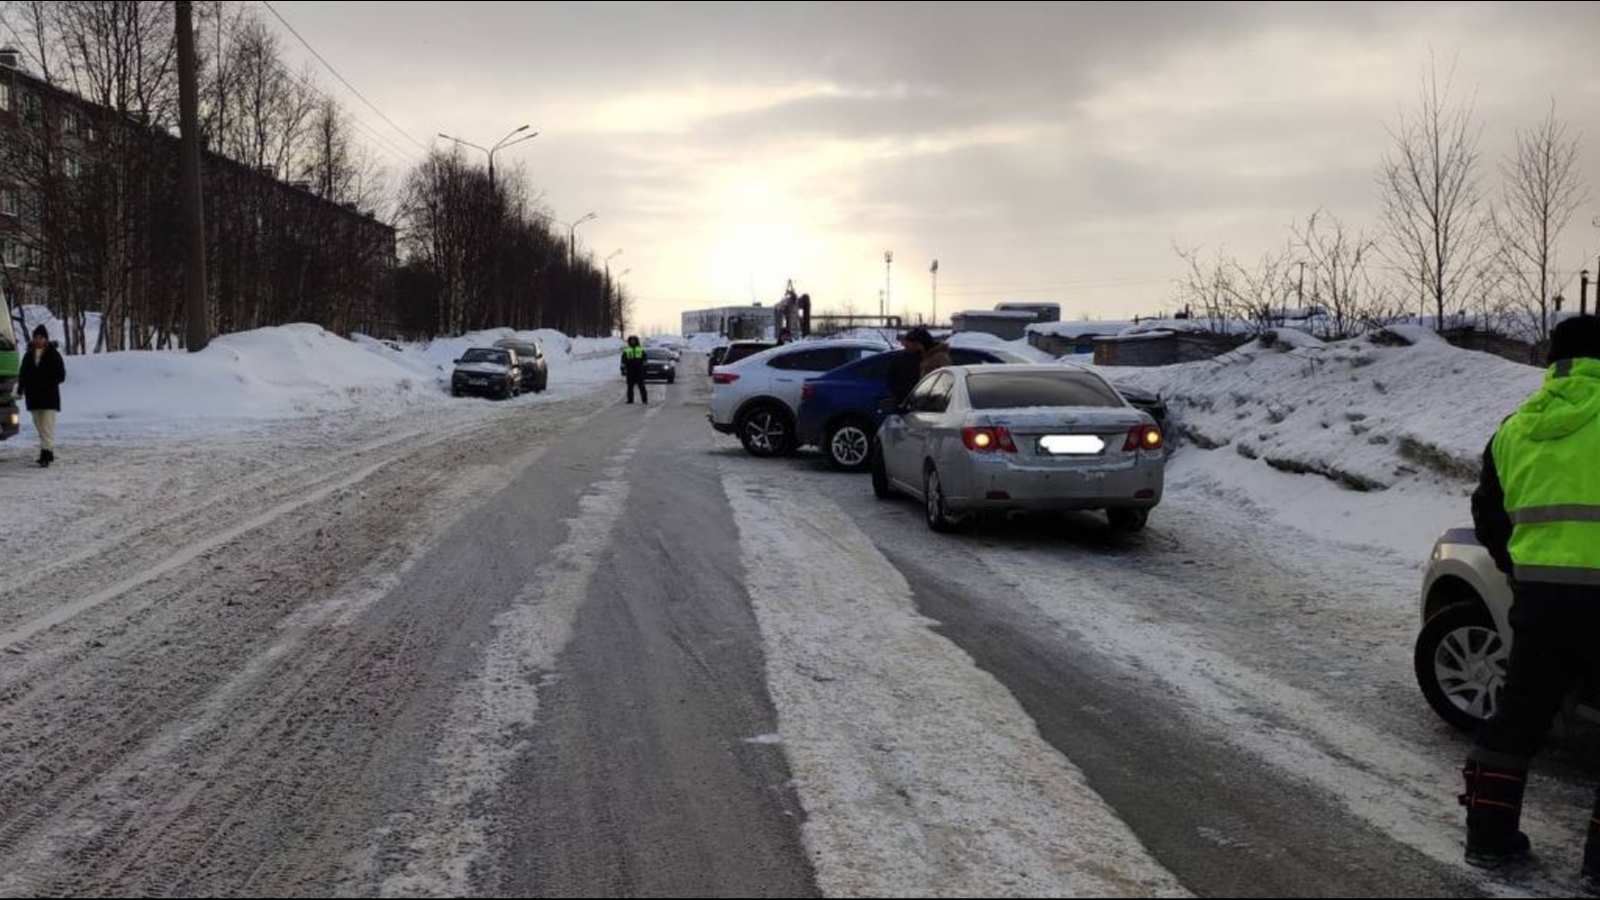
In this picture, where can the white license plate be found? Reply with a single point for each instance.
(1072, 445)
(479, 382)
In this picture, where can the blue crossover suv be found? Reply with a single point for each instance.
(840, 412)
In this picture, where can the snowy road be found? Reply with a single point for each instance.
(574, 648)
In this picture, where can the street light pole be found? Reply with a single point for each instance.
(888, 284)
(936, 293)
(506, 143)
(607, 317)
(572, 239)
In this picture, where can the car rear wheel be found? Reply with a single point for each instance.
(940, 519)
(849, 446)
(766, 432)
(1461, 663)
(1128, 521)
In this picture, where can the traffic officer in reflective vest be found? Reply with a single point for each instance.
(633, 366)
(1538, 513)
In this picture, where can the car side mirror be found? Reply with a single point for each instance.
(890, 407)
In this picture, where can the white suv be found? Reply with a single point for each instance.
(758, 398)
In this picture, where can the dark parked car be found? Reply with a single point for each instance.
(739, 351)
(487, 372)
(841, 411)
(531, 360)
(1146, 402)
(659, 365)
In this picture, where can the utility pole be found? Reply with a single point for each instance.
(936, 293)
(1583, 295)
(194, 220)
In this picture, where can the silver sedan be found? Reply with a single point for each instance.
(1021, 438)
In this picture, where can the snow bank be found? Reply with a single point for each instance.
(1369, 417)
(258, 376)
(972, 340)
(1076, 330)
(705, 343)
(277, 375)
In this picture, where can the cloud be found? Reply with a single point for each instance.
(1061, 146)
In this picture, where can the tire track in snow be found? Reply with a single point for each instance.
(920, 774)
(1401, 789)
(484, 738)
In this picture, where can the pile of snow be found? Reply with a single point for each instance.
(1077, 330)
(1190, 326)
(259, 376)
(1368, 417)
(971, 340)
(706, 342)
(277, 375)
(1366, 443)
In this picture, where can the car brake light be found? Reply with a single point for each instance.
(724, 378)
(988, 440)
(1146, 438)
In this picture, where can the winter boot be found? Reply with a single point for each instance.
(1591, 854)
(48, 459)
(1494, 816)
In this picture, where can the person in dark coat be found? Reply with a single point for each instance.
(935, 356)
(633, 366)
(1537, 512)
(42, 374)
(906, 368)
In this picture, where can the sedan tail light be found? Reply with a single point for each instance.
(724, 378)
(988, 440)
(1147, 438)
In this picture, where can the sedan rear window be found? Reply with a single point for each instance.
(493, 357)
(1029, 390)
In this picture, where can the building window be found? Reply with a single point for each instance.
(30, 105)
(13, 254)
(74, 167)
(69, 124)
(9, 207)
(5, 96)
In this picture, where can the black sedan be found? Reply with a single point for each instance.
(659, 365)
(487, 372)
(531, 360)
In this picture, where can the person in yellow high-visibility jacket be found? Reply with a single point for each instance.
(1538, 513)
(633, 368)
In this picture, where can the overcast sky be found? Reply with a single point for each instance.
(1043, 151)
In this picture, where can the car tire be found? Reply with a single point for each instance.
(880, 474)
(1455, 647)
(940, 520)
(767, 431)
(1128, 521)
(848, 446)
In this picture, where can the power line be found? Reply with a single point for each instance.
(342, 80)
(383, 142)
